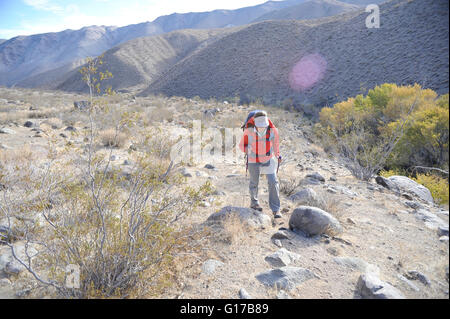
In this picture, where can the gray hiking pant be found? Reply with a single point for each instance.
(274, 187)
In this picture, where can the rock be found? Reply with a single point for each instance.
(431, 220)
(443, 230)
(316, 176)
(243, 294)
(333, 179)
(6, 130)
(416, 275)
(30, 124)
(383, 182)
(70, 128)
(372, 287)
(313, 221)
(201, 174)
(357, 264)
(408, 282)
(205, 204)
(63, 135)
(413, 205)
(7, 262)
(209, 166)
(286, 278)
(351, 221)
(282, 258)
(283, 234)
(403, 184)
(446, 273)
(251, 217)
(185, 172)
(81, 105)
(283, 295)
(304, 196)
(443, 239)
(209, 266)
(219, 193)
(277, 243)
(333, 251)
(443, 212)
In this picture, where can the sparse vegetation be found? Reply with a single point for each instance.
(393, 126)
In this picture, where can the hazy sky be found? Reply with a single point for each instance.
(25, 17)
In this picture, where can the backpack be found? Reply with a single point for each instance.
(249, 122)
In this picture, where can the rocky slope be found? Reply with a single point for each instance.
(319, 61)
(386, 237)
(309, 10)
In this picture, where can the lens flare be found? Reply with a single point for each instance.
(307, 72)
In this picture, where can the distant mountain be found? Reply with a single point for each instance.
(27, 56)
(309, 10)
(339, 56)
(2, 40)
(138, 62)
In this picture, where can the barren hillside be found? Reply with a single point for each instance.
(347, 58)
(25, 56)
(309, 10)
(138, 62)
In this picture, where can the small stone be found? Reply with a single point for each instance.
(29, 124)
(70, 129)
(333, 179)
(6, 130)
(243, 294)
(443, 239)
(416, 275)
(283, 295)
(209, 266)
(209, 166)
(281, 258)
(278, 243)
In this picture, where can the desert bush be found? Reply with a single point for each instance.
(288, 186)
(437, 185)
(386, 127)
(122, 229)
(113, 138)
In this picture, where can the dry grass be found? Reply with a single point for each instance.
(288, 186)
(113, 138)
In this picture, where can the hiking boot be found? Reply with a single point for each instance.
(277, 215)
(256, 207)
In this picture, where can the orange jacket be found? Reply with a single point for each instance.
(260, 149)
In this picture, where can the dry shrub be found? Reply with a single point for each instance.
(113, 138)
(288, 186)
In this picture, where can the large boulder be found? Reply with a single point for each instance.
(251, 217)
(304, 196)
(372, 287)
(357, 264)
(313, 221)
(286, 278)
(403, 184)
(431, 220)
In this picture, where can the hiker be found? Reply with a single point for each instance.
(260, 143)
